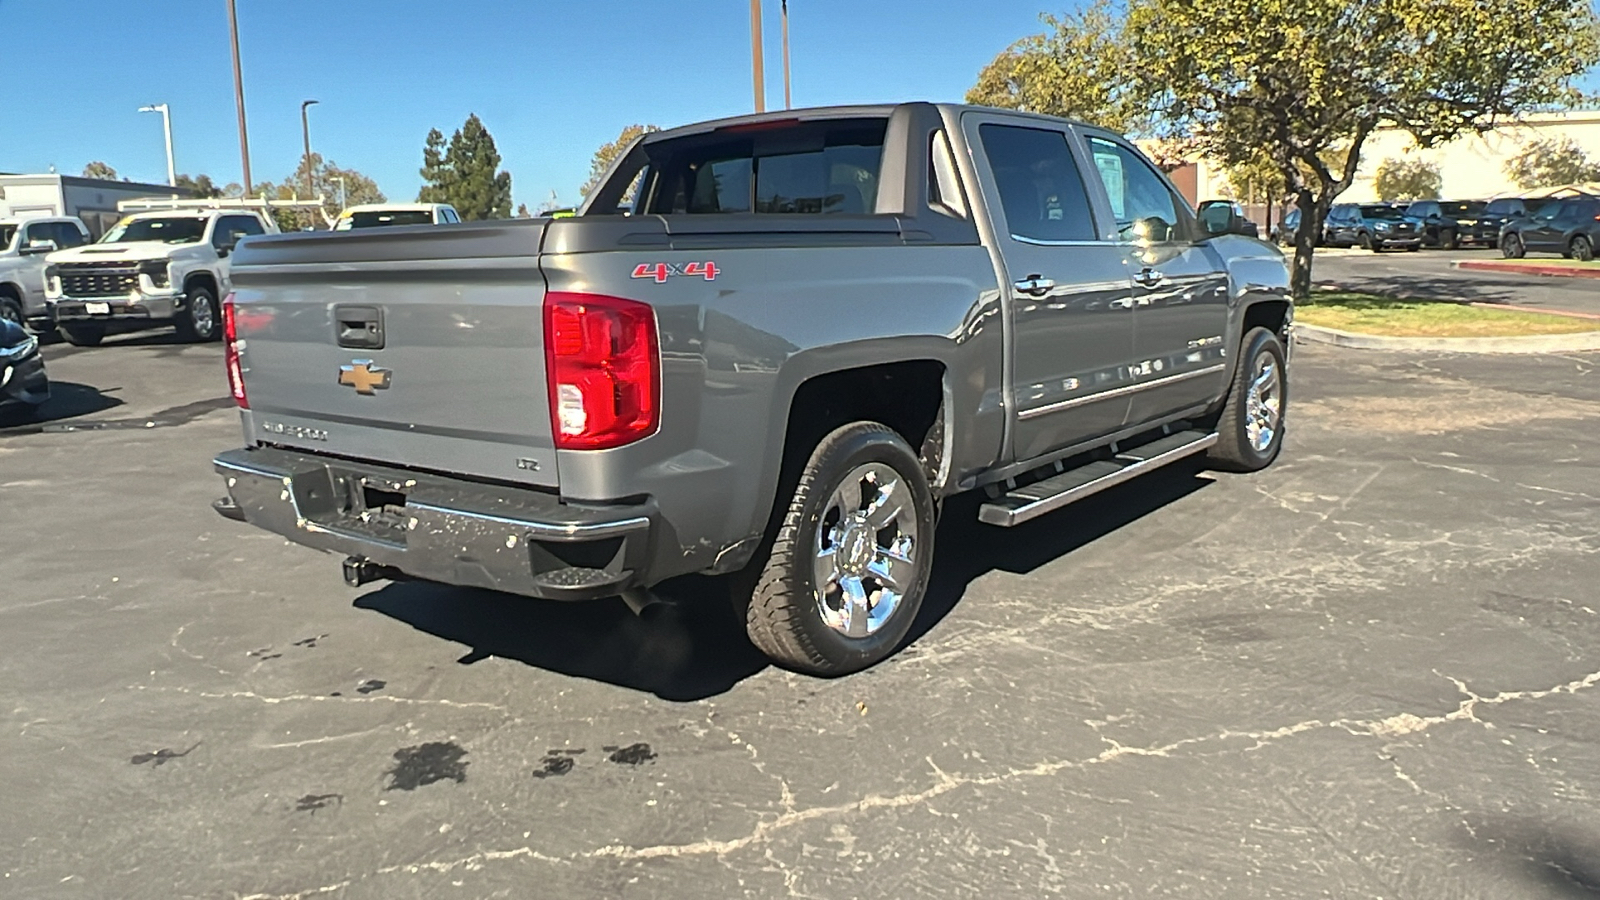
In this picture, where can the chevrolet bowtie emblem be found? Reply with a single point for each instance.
(365, 377)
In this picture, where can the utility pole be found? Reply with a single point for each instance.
(305, 132)
(166, 124)
(788, 101)
(238, 98)
(340, 179)
(757, 67)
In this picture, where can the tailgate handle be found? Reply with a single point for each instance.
(359, 327)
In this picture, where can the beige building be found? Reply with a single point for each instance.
(1472, 167)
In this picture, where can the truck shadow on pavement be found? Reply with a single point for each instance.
(68, 400)
(695, 647)
(1561, 860)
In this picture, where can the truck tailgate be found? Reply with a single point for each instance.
(420, 347)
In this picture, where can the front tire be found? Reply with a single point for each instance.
(1250, 428)
(201, 319)
(847, 572)
(83, 335)
(11, 310)
(1511, 247)
(1452, 240)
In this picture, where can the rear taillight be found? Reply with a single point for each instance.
(230, 354)
(603, 362)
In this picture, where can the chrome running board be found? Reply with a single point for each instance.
(1049, 495)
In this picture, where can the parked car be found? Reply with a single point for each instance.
(815, 326)
(1283, 231)
(24, 242)
(151, 268)
(381, 215)
(1371, 226)
(1507, 209)
(1570, 227)
(1218, 213)
(23, 385)
(1454, 223)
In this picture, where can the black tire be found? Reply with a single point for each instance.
(1452, 240)
(1235, 450)
(1512, 248)
(200, 320)
(1582, 249)
(1365, 242)
(11, 310)
(83, 335)
(785, 615)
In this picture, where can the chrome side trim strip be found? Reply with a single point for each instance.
(1119, 392)
(596, 530)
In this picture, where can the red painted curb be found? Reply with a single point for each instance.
(1528, 268)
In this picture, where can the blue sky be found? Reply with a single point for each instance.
(552, 79)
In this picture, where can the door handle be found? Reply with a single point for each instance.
(1149, 278)
(1035, 285)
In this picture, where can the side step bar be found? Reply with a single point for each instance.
(1036, 499)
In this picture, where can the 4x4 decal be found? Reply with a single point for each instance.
(660, 272)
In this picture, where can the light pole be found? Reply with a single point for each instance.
(305, 132)
(238, 98)
(340, 179)
(166, 124)
(788, 101)
(757, 67)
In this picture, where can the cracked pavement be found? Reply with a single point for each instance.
(1370, 671)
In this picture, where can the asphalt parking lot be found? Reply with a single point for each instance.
(1371, 671)
(1427, 274)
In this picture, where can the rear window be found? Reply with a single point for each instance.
(7, 232)
(814, 168)
(382, 218)
(1504, 207)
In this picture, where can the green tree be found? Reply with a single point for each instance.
(1408, 179)
(201, 185)
(435, 175)
(325, 182)
(1080, 68)
(1552, 162)
(607, 154)
(98, 169)
(1296, 78)
(466, 174)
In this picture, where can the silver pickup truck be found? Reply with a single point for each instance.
(767, 347)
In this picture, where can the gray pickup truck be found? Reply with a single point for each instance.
(767, 347)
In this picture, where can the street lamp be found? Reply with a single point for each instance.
(757, 67)
(340, 179)
(166, 123)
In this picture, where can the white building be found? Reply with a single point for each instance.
(91, 199)
(1472, 167)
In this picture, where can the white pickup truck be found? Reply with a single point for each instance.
(24, 241)
(151, 268)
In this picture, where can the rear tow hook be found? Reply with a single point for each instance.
(358, 571)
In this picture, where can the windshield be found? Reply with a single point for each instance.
(380, 218)
(176, 230)
(7, 232)
(1464, 208)
(1381, 212)
(1504, 207)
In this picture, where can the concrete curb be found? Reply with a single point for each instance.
(1516, 268)
(1539, 343)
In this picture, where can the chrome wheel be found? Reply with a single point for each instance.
(1263, 402)
(863, 562)
(200, 317)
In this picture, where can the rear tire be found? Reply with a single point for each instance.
(1582, 249)
(1250, 428)
(862, 507)
(11, 310)
(200, 321)
(83, 335)
(1511, 247)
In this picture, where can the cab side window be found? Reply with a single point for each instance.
(1145, 208)
(1041, 192)
(68, 235)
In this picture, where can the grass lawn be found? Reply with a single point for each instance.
(1394, 317)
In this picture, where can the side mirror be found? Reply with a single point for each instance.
(34, 248)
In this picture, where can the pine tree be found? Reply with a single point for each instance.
(479, 189)
(435, 174)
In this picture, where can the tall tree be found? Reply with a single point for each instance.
(1552, 162)
(466, 174)
(435, 175)
(1296, 78)
(1408, 179)
(1080, 68)
(325, 182)
(606, 155)
(98, 169)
